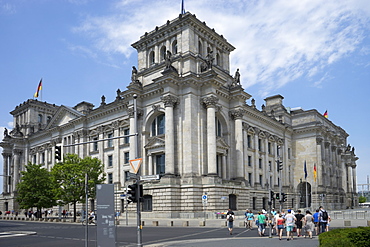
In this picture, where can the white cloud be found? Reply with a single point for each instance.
(276, 42)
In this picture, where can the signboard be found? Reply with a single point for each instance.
(149, 177)
(135, 164)
(106, 230)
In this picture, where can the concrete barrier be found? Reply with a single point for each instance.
(185, 223)
(155, 223)
(170, 223)
(202, 223)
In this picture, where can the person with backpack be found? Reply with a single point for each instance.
(230, 217)
(323, 219)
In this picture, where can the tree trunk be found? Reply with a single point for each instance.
(74, 212)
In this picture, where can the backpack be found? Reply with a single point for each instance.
(231, 218)
(325, 215)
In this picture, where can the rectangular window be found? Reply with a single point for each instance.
(127, 157)
(249, 141)
(110, 142)
(260, 145)
(110, 160)
(260, 163)
(288, 153)
(110, 178)
(261, 180)
(95, 144)
(270, 166)
(269, 148)
(127, 175)
(160, 163)
(250, 178)
(126, 139)
(249, 160)
(43, 158)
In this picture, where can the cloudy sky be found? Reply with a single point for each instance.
(315, 53)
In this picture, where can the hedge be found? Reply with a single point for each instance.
(348, 237)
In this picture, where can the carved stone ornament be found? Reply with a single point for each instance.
(237, 114)
(210, 101)
(170, 100)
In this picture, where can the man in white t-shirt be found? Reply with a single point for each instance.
(289, 223)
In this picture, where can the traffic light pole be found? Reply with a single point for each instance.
(139, 226)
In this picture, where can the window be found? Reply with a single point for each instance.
(270, 166)
(127, 157)
(95, 144)
(249, 160)
(34, 159)
(147, 203)
(127, 175)
(126, 139)
(218, 59)
(151, 58)
(200, 48)
(260, 163)
(43, 158)
(40, 118)
(261, 180)
(288, 153)
(218, 127)
(174, 47)
(269, 148)
(259, 145)
(163, 53)
(48, 119)
(249, 141)
(110, 160)
(110, 178)
(110, 142)
(158, 125)
(250, 178)
(160, 163)
(232, 202)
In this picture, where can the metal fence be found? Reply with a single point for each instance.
(350, 215)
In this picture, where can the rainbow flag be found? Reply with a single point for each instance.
(326, 114)
(38, 89)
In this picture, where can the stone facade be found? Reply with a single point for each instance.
(195, 129)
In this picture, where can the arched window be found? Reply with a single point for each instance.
(200, 48)
(163, 53)
(151, 58)
(232, 202)
(48, 119)
(158, 125)
(218, 127)
(174, 47)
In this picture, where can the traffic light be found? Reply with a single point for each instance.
(58, 153)
(284, 197)
(272, 195)
(277, 196)
(131, 193)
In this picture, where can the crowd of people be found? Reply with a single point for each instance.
(293, 223)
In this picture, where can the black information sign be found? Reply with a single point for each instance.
(106, 230)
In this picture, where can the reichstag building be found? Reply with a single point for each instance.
(197, 128)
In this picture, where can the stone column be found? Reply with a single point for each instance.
(16, 168)
(150, 164)
(132, 131)
(349, 179)
(169, 103)
(237, 115)
(224, 165)
(354, 182)
(5, 172)
(210, 103)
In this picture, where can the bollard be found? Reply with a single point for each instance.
(155, 223)
(170, 223)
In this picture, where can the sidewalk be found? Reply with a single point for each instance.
(242, 242)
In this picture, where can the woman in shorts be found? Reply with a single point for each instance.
(280, 226)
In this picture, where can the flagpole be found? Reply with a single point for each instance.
(307, 204)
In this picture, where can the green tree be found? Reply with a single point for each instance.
(36, 189)
(361, 199)
(70, 175)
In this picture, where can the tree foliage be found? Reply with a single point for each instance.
(36, 188)
(70, 177)
(361, 199)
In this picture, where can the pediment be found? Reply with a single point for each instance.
(155, 142)
(63, 116)
(221, 143)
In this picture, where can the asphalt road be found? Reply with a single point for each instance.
(71, 235)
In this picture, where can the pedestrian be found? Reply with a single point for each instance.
(230, 217)
(328, 224)
(323, 219)
(299, 222)
(289, 223)
(249, 216)
(280, 225)
(309, 223)
(276, 217)
(316, 221)
(261, 224)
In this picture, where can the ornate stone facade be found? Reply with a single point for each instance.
(195, 129)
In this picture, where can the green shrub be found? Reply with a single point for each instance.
(346, 237)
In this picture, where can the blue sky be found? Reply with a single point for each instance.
(315, 53)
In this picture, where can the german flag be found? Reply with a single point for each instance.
(38, 89)
(314, 172)
(326, 114)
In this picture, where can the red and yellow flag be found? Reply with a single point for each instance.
(326, 114)
(38, 89)
(314, 172)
